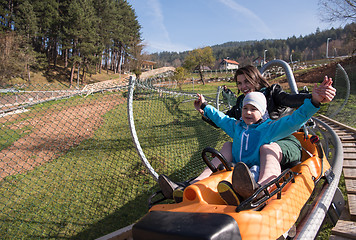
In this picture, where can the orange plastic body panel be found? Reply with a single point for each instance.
(276, 218)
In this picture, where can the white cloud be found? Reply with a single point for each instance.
(258, 24)
(157, 18)
(160, 46)
(159, 35)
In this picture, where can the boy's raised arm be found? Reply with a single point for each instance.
(323, 93)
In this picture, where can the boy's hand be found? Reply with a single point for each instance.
(325, 92)
(198, 103)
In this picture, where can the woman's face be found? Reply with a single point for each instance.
(243, 85)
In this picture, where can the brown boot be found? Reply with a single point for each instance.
(243, 181)
(168, 186)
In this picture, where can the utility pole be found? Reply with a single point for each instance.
(264, 56)
(327, 47)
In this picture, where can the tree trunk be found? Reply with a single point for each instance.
(55, 52)
(115, 61)
(112, 60)
(83, 74)
(121, 60)
(119, 55)
(107, 61)
(11, 9)
(49, 51)
(201, 76)
(28, 72)
(100, 63)
(72, 75)
(66, 58)
(78, 75)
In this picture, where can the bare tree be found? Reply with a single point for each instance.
(338, 10)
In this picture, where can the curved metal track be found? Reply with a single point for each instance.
(311, 223)
(346, 225)
(140, 152)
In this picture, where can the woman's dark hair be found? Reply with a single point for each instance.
(253, 76)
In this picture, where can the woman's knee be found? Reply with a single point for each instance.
(227, 145)
(226, 151)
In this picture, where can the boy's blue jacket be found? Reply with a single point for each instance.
(247, 140)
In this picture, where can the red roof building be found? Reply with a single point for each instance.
(227, 64)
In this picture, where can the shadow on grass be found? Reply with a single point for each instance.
(126, 215)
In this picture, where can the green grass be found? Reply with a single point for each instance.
(212, 75)
(209, 89)
(101, 185)
(347, 114)
(62, 198)
(8, 136)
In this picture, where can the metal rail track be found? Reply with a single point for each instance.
(345, 227)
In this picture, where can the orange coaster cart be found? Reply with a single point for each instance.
(203, 214)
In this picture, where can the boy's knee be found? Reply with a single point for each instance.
(268, 148)
(265, 148)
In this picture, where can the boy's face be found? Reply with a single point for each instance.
(250, 114)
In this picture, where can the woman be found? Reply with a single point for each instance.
(252, 132)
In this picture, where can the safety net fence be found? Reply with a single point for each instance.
(69, 168)
(343, 106)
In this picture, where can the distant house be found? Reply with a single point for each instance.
(203, 68)
(147, 65)
(227, 64)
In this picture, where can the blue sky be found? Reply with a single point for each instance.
(181, 25)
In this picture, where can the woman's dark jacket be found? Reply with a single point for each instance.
(279, 103)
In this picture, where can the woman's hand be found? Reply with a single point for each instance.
(199, 102)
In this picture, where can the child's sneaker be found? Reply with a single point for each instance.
(228, 194)
(178, 194)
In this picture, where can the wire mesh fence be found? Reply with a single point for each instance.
(69, 168)
(68, 165)
(170, 131)
(342, 108)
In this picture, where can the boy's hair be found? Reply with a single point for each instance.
(256, 99)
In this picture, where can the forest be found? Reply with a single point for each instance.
(83, 35)
(89, 36)
(302, 48)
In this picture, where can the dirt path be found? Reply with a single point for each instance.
(54, 133)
